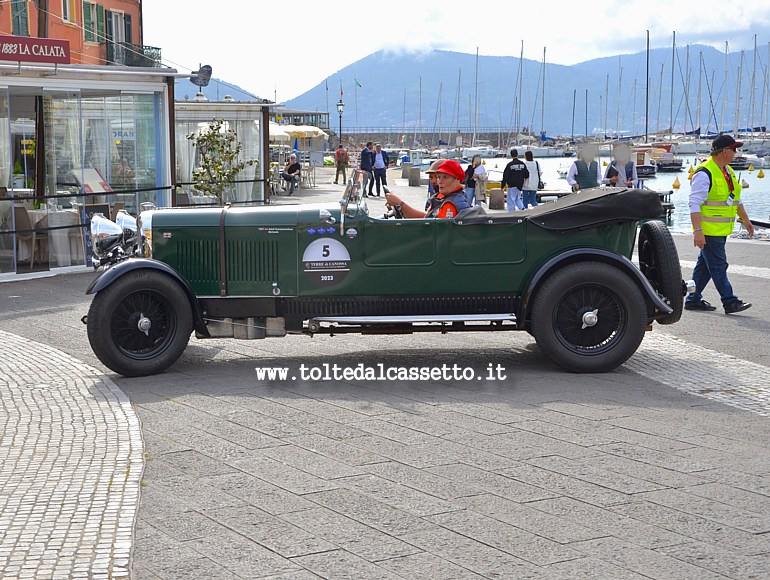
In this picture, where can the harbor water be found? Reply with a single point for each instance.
(756, 197)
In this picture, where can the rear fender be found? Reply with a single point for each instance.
(122, 268)
(590, 254)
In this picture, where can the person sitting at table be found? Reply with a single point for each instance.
(291, 173)
(123, 173)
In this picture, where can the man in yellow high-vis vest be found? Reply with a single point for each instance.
(715, 200)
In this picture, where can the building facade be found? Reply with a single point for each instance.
(103, 32)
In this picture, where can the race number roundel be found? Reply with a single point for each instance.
(326, 261)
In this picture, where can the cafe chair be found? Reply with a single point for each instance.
(116, 207)
(35, 237)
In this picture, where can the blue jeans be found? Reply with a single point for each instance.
(513, 199)
(530, 198)
(712, 265)
(470, 194)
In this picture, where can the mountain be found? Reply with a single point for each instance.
(420, 92)
(215, 91)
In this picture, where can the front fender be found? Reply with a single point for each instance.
(595, 254)
(122, 268)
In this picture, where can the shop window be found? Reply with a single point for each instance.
(19, 19)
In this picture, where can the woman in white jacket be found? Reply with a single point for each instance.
(529, 192)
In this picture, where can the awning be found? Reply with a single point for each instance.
(277, 133)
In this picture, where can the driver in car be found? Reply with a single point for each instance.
(446, 203)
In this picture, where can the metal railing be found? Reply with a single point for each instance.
(127, 54)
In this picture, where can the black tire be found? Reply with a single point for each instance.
(659, 262)
(562, 307)
(114, 318)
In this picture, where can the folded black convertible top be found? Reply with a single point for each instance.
(589, 208)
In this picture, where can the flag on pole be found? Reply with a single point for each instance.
(341, 93)
(359, 85)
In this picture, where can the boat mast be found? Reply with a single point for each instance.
(738, 97)
(687, 115)
(606, 103)
(437, 121)
(699, 110)
(574, 94)
(519, 80)
(647, 93)
(617, 102)
(671, 104)
(724, 87)
(542, 100)
(476, 100)
(753, 88)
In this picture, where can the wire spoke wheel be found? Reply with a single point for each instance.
(589, 317)
(140, 324)
(591, 334)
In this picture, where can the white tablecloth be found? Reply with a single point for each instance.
(62, 251)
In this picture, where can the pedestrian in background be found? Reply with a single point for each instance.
(585, 173)
(529, 194)
(715, 199)
(621, 171)
(380, 162)
(475, 182)
(514, 176)
(366, 165)
(341, 159)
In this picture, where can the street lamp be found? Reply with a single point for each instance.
(340, 110)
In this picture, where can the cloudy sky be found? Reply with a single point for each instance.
(282, 49)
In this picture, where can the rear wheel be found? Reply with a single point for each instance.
(659, 262)
(140, 324)
(589, 317)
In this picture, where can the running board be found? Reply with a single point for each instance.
(407, 324)
(416, 318)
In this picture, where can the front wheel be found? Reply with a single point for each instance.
(589, 317)
(140, 324)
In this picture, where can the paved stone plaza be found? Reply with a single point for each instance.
(657, 470)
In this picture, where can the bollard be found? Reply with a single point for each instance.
(496, 198)
(414, 177)
(406, 166)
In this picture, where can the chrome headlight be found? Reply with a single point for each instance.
(127, 223)
(105, 235)
(145, 229)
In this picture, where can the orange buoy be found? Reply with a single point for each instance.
(676, 184)
(751, 167)
(760, 173)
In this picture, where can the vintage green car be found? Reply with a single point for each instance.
(561, 271)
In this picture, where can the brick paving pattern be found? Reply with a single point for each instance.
(71, 456)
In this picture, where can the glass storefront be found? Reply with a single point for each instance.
(246, 120)
(76, 148)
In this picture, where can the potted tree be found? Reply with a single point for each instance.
(219, 152)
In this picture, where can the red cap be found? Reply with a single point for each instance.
(453, 168)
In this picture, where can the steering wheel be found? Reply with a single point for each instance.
(393, 212)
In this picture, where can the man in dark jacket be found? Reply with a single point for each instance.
(514, 176)
(367, 166)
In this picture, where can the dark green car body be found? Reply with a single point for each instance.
(316, 268)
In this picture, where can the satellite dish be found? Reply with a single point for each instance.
(202, 76)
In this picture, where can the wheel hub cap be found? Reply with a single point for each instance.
(590, 318)
(144, 325)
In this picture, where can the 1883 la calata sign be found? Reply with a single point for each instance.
(26, 49)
